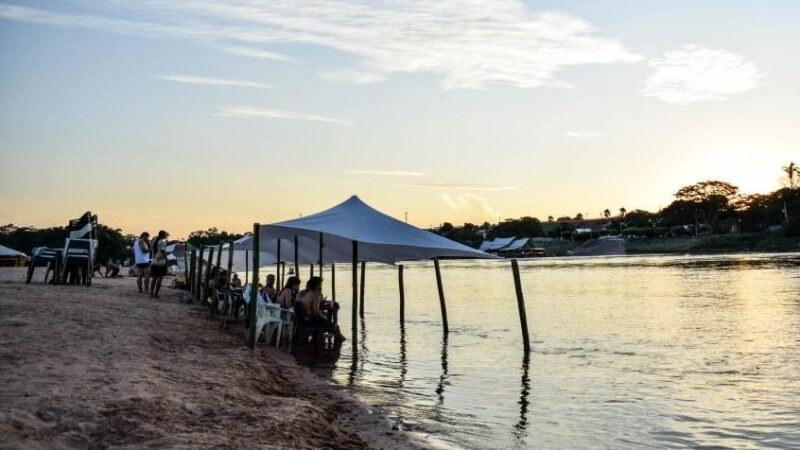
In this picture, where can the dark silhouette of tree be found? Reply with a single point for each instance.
(212, 236)
(622, 212)
(579, 216)
(606, 213)
(792, 172)
(712, 199)
(549, 218)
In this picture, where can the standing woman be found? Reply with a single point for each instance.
(141, 257)
(159, 265)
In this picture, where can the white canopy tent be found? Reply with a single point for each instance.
(10, 252)
(353, 232)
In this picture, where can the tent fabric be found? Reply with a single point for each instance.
(517, 244)
(380, 238)
(496, 244)
(5, 251)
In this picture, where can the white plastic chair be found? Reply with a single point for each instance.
(268, 315)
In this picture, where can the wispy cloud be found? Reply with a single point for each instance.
(445, 185)
(352, 76)
(582, 134)
(475, 206)
(695, 74)
(252, 112)
(467, 43)
(390, 173)
(189, 79)
(252, 52)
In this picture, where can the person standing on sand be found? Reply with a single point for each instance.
(141, 257)
(159, 264)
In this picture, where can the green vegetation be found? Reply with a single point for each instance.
(708, 216)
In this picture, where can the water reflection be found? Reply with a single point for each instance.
(520, 428)
(442, 380)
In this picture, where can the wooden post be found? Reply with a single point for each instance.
(192, 271)
(246, 266)
(296, 259)
(278, 280)
(254, 290)
(402, 295)
(361, 296)
(216, 281)
(227, 302)
(321, 245)
(333, 291)
(441, 294)
(333, 281)
(523, 319)
(197, 290)
(208, 275)
(355, 295)
(311, 270)
(283, 272)
(186, 265)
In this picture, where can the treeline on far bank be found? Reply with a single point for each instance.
(704, 208)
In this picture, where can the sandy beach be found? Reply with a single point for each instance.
(107, 367)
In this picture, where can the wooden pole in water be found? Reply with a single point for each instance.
(278, 280)
(355, 295)
(523, 319)
(296, 259)
(402, 295)
(321, 245)
(253, 335)
(361, 296)
(246, 266)
(208, 275)
(333, 290)
(441, 294)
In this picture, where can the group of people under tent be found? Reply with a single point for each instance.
(311, 307)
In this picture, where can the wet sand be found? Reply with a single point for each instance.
(107, 367)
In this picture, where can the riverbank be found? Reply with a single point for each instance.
(724, 243)
(108, 367)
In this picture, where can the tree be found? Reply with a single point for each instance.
(549, 218)
(792, 172)
(606, 213)
(712, 199)
(622, 212)
(212, 236)
(639, 218)
(579, 216)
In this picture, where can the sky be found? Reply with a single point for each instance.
(184, 115)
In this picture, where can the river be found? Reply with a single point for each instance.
(627, 352)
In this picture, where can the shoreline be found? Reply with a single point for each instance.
(106, 366)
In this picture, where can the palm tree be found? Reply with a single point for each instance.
(549, 218)
(606, 213)
(622, 212)
(791, 171)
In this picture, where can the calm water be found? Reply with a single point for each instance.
(628, 352)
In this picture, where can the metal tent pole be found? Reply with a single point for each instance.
(253, 307)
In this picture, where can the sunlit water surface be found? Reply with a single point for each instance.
(628, 352)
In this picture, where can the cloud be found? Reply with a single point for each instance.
(352, 76)
(391, 173)
(444, 185)
(252, 112)
(475, 207)
(695, 74)
(251, 52)
(466, 43)
(582, 134)
(189, 79)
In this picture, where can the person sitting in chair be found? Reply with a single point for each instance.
(269, 290)
(288, 294)
(311, 298)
